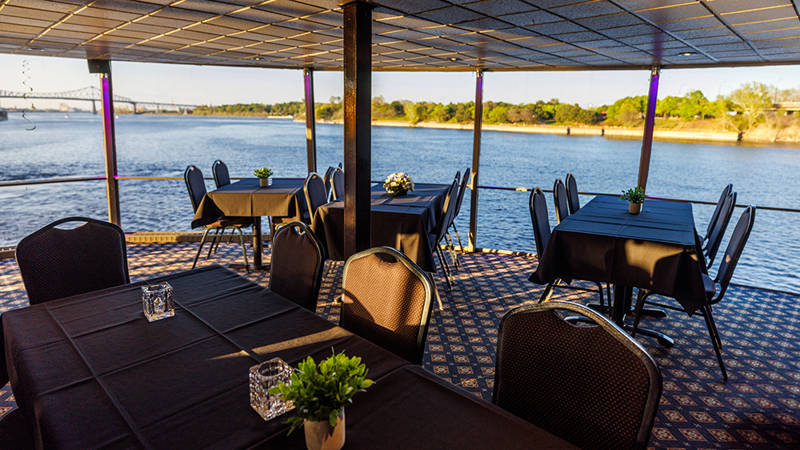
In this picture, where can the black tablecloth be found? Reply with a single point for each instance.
(245, 198)
(400, 222)
(90, 371)
(656, 249)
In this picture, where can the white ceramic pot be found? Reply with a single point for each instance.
(321, 436)
(634, 208)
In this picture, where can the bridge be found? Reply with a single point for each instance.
(94, 95)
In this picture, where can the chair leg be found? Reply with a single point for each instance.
(455, 230)
(452, 249)
(706, 311)
(199, 249)
(716, 332)
(548, 290)
(219, 241)
(244, 249)
(214, 241)
(602, 296)
(436, 291)
(641, 296)
(445, 269)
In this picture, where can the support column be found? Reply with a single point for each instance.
(103, 67)
(476, 157)
(357, 123)
(311, 129)
(649, 122)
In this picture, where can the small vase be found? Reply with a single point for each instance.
(321, 436)
(397, 193)
(265, 182)
(634, 208)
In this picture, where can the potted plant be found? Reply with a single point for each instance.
(635, 197)
(398, 183)
(319, 394)
(264, 176)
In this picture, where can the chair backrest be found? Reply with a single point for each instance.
(592, 385)
(448, 212)
(56, 263)
(461, 190)
(572, 193)
(715, 238)
(387, 299)
(220, 172)
(328, 178)
(338, 184)
(560, 198)
(717, 210)
(195, 184)
(540, 219)
(296, 265)
(735, 247)
(314, 189)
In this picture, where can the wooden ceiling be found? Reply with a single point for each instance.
(412, 35)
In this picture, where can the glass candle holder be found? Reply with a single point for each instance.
(262, 378)
(157, 301)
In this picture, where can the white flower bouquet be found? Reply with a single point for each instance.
(398, 183)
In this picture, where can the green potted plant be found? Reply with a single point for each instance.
(635, 197)
(264, 176)
(319, 394)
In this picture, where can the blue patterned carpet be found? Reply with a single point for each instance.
(759, 407)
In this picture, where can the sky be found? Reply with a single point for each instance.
(224, 85)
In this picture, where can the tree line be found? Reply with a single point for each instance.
(741, 110)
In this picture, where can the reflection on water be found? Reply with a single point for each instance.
(164, 146)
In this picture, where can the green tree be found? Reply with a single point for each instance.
(750, 101)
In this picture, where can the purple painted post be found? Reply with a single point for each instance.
(112, 185)
(649, 122)
(476, 158)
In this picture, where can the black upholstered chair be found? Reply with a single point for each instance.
(717, 210)
(296, 265)
(15, 432)
(715, 288)
(221, 175)
(592, 385)
(720, 226)
(540, 220)
(560, 198)
(56, 262)
(196, 185)
(387, 299)
(461, 190)
(328, 179)
(337, 184)
(314, 190)
(572, 193)
(439, 232)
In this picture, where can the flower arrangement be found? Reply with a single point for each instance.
(398, 183)
(264, 172)
(634, 195)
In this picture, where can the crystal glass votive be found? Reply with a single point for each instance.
(262, 378)
(157, 301)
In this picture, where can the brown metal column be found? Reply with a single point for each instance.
(311, 129)
(103, 67)
(649, 122)
(357, 117)
(476, 158)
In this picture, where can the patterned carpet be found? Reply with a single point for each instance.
(759, 407)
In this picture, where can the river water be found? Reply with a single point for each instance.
(164, 146)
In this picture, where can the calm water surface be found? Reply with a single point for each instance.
(164, 146)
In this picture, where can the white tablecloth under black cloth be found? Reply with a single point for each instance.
(89, 371)
(403, 222)
(656, 249)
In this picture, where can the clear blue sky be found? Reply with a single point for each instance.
(218, 85)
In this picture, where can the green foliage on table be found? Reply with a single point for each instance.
(264, 172)
(634, 195)
(319, 392)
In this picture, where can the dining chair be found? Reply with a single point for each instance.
(196, 185)
(572, 193)
(440, 230)
(717, 210)
(296, 264)
(714, 288)
(461, 190)
(220, 172)
(592, 385)
(56, 262)
(387, 299)
(328, 179)
(15, 433)
(337, 189)
(560, 198)
(720, 226)
(314, 190)
(540, 219)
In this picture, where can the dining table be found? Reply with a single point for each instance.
(402, 222)
(657, 250)
(283, 200)
(90, 371)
